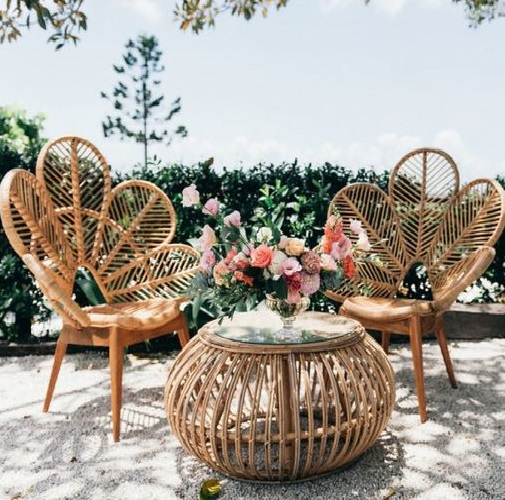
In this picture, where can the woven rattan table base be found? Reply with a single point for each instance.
(279, 412)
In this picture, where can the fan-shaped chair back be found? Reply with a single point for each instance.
(67, 217)
(425, 218)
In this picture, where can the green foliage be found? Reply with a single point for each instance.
(140, 114)
(86, 290)
(20, 143)
(65, 18)
(481, 10)
(496, 271)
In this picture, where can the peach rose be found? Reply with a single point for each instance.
(220, 272)
(262, 256)
(294, 247)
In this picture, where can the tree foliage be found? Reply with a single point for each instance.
(197, 14)
(140, 112)
(20, 143)
(66, 19)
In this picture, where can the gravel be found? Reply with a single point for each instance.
(68, 453)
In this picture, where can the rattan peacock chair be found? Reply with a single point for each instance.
(425, 220)
(67, 217)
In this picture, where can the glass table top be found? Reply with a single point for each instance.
(260, 327)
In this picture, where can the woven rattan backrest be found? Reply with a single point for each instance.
(32, 226)
(67, 216)
(425, 219)
(76, 177)
(421, 187)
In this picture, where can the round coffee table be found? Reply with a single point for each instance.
(256, 410)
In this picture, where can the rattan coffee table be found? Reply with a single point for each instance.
(261, 411)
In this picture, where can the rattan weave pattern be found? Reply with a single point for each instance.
(425, 218)
(279, 412)
(67, 217)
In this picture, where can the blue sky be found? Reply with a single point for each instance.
(322, 80)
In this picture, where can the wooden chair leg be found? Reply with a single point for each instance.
(61, 349)
(116, 381)
(442, 342)
(385, 336)
(183, 334)
(416, 344)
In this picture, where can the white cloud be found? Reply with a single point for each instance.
(330, 5)
(469, 164)
(151, 10)
(390, 6)
(382, 153)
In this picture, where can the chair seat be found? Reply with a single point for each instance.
(386, 310)
(141, 315)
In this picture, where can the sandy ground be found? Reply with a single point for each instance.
(68, 453)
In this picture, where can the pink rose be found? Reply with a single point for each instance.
(208, 238)
(294, 283)
(262, 256)
(211, 207)
(233, 219)
(190, 196)
(207, 260)
(290, 266)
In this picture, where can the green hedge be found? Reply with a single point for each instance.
(312, 187)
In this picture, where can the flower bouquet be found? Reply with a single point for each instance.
(238, 271)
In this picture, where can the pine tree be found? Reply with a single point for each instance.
(141, 112)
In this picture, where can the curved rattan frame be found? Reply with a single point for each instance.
(266, 412)
(424, 218)
(66, 217)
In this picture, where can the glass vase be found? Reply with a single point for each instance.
(287, 312)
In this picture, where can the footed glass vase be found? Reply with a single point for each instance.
(287, 312)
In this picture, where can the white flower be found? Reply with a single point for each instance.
(363, 243)
(355, 226)
(264, 234)
(275, 266)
